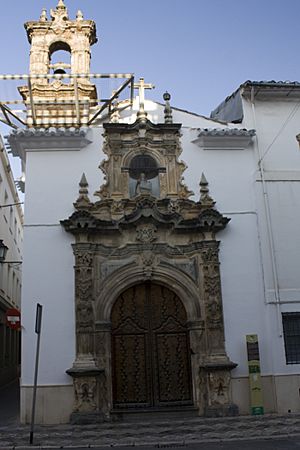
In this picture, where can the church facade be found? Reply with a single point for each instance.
(150, 276)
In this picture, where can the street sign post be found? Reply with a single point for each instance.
(38, 326)
(13, 319)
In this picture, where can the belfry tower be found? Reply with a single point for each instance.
(59, 94)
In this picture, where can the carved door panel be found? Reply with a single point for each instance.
(150, 349)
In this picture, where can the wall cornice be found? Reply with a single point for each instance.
(52, 139)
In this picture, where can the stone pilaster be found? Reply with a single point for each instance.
(86, 375)
(215, 368)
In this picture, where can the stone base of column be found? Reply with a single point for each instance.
(221, 410)
(87, 418)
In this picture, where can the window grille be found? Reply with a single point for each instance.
(291, 331)
(143, 164)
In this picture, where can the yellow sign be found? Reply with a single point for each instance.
(256, 397)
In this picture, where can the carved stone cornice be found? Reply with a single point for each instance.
(42, 140)
(193, 218)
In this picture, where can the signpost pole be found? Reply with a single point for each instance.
(38, 323)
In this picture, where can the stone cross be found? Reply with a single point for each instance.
(141, 86)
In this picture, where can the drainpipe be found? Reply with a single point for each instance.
(268, 222)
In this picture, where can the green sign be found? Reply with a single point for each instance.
(256, 397)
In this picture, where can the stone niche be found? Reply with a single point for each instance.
(153, 234)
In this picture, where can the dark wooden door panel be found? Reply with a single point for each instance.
(130, 380)
(173, 374)
(150, 349)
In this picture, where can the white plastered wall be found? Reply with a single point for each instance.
(51, 188)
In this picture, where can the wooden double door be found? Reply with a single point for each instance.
(150, 349)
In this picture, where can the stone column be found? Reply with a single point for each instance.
(84, 306)
(103, 357)
(198, 347)
(216, 366)
(84, 372)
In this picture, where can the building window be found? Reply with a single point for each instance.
(291, 331)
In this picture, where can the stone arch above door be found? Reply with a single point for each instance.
(146, 267)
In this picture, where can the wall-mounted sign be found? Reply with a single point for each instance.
(13, 319)
(256, 396)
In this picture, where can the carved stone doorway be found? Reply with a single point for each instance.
(150, 349)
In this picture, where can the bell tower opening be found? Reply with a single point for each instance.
(60, 59)
(60, 91)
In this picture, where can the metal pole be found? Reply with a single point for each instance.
(38, 323)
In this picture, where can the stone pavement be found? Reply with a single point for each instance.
(160, 433)
(163, 432)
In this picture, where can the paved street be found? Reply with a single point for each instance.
(270, 432)
(287, 444)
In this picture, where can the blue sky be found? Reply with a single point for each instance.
(198, 50)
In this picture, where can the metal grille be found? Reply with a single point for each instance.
(143, 164)
(291, 330)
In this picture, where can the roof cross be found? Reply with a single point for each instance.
(141, 86)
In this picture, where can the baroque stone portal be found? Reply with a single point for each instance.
(129, 246)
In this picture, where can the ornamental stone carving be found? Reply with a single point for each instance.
(218, 383)
(46, 37)
(129, 238)
(85, 394)
(160, 142)
(146, 233)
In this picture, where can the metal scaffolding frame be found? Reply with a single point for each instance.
(8, 115)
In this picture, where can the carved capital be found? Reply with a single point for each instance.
(210, 252)
(83, 258)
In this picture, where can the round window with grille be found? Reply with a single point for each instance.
(143, 164)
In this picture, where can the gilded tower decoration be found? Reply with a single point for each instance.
(60, 94)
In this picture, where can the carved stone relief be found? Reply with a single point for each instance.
(124, 142)
(85, 394)
(146, 233)
(168, 240)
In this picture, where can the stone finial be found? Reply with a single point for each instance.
(115, 116)
(205, 198)
(60, 13)
(168, 109)
(43, 16)
(61, 5)
(79, 15)
(83, 201)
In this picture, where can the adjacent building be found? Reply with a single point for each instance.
(153, 268)
(11, 236)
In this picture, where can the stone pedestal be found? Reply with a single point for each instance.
(86, 387)
(216, 377)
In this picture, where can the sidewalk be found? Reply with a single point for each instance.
(156, 433)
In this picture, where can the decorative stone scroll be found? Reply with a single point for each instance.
(123, 142)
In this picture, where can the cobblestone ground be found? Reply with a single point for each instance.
(166, 433)
(161, 433)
